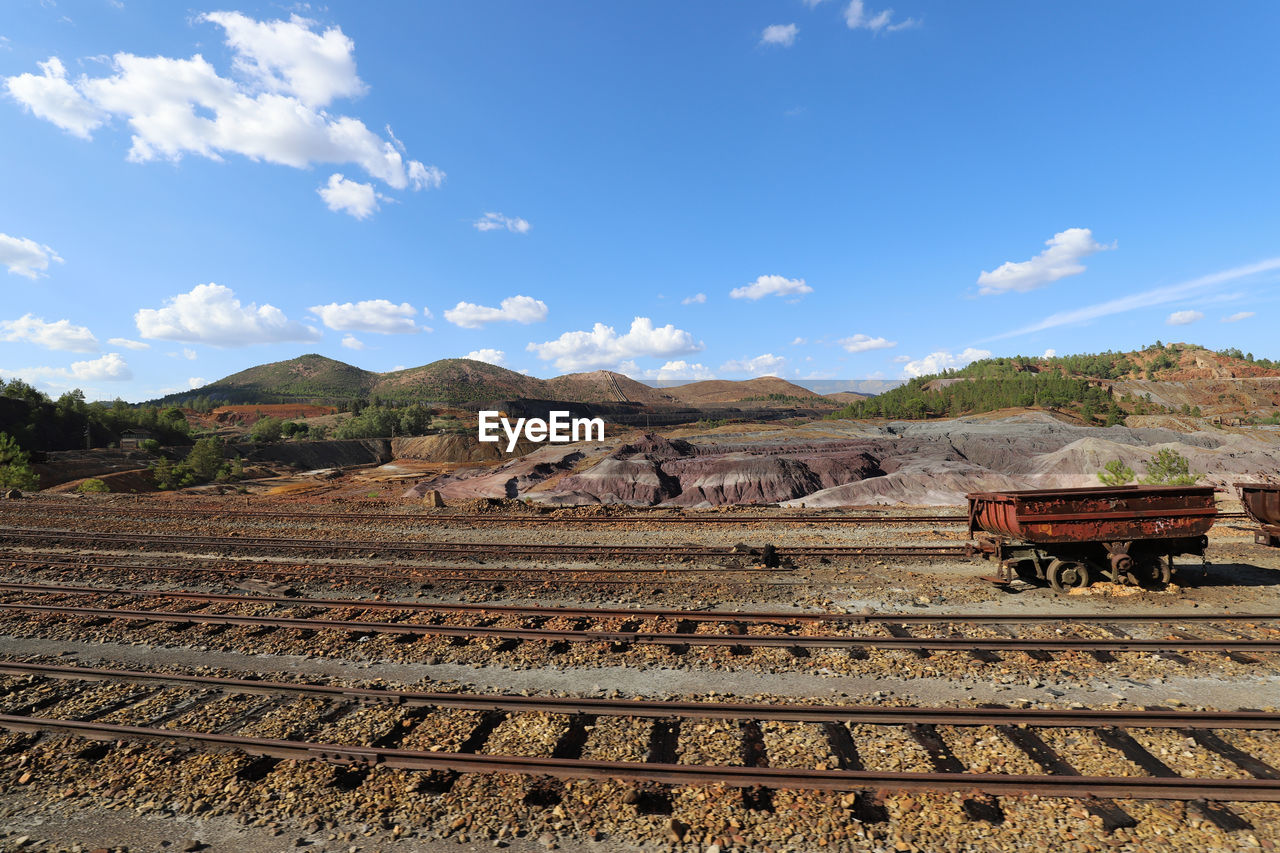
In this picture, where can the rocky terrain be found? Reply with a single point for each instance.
(839, 463)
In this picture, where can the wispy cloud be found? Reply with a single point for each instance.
(782, 35)
(866, 343)
(858, 17)
(494, 221)
(1145, 299)
(1182, 318)
(1238, 316)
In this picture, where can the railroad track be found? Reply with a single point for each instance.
(506, 549)
(116, 705)
(734, 633)
(507, 519)
(445, 575)
(599, 613)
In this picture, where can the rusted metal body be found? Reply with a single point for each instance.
(1262, 504)
(1069, 536)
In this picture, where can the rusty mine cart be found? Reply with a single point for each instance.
(1262, 504)
(1069, 537)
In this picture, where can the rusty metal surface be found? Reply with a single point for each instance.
(1261, 502)
(1107, 514)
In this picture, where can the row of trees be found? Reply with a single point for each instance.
(38, 422)
(924, 397)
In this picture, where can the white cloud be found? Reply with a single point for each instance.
(679, 369)
(211, 314)
(1060, 260)
(189, 354)
(771, 285)
(762, 365)
(371, 315)
(865, 343)
(492, 356)
(799, 342)
(1182, 318)
(857, 17)
(352, 342)
(273, 109)
(936, 362)
(425, 177)
(496, 222)
(26, 257)
(901, 359)
(196, 382)
(287, 58)
(110, 367)
(128, 344)
(345, 196)
(515, 309)
(603, 346)
(696, 299)
(60, 335)
(1050, 353)
(780, 34)
(1145, 299)
(49, 96)
(1238, 316)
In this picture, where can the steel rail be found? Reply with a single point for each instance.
(515, 518)
(505, 548)
(506, 517)
(883, 715)
(1155, 787)
(827, 641)
(433, 574)
(748, 616)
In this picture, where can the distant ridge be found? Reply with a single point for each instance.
(817, 386)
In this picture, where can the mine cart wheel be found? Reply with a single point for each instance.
(1067, 575)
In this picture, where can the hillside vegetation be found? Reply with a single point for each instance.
(1085, 385)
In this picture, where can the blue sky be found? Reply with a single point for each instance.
(808, 188)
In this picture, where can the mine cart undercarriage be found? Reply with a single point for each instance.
(1068, 565)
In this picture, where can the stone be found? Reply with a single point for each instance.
(433, 499)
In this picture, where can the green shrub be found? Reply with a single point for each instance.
(92, 485)
(15, 469)
(1169, 468)
(1115, 473)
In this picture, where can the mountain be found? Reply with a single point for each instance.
(303, 378)
(457, 380)
(605, 385)
(762, 389)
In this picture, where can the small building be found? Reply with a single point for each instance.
(131, 439)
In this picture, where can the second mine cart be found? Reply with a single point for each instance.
(1262, 503)
(1069, 537)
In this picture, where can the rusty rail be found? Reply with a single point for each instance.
(1061, 783)
(782, 640)
(597, 613)
(468, 548)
